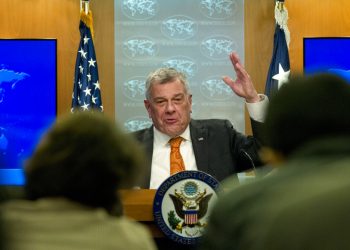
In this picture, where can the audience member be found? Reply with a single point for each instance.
(304, 204)
(71, 186)
(211, 145)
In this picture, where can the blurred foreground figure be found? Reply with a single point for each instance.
(71, 186)
(304, 204)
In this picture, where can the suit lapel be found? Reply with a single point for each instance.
(199, 137)
(147, 141)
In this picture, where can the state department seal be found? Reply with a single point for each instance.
(182, 204)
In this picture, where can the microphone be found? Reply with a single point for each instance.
(249, 158)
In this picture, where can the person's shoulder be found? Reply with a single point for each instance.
(232, 194)
(210, 122)
(135, 233)
(132, 225)
(142, 133)
(236, 195)
(11, 192)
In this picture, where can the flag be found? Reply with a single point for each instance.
(86, 88)
(279, 68)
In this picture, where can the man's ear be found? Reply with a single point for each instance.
(147, 106)
(190, 98)
(271, 156)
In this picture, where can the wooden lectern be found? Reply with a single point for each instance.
(138, 205)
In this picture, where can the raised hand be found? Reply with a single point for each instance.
(243, 85)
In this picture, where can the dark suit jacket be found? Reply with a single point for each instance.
(219, 149)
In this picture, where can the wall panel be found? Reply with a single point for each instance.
(60, 19)
(315, 18)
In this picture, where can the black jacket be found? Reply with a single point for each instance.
(219, 149)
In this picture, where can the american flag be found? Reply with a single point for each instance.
(279, 68)
(86, 89)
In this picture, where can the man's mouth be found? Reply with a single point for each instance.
(170, 121)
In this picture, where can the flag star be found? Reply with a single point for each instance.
(86, 39)
(87, 91)
(80, 85)
(92, 62)
(81, 68)
(94, 99)
(82, 53)
(282, 76)
(85, 106)
(97, 85)
(89, 77)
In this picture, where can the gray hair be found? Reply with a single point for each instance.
(165, 75)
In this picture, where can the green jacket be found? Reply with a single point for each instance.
(303, 205)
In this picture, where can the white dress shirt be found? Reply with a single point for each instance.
(161, 156)
(161, 147)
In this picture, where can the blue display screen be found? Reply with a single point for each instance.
(327, 54)
(28, 101)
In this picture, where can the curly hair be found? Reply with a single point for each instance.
(85, 157)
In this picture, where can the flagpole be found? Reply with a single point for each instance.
(84, 6)
(280, 5)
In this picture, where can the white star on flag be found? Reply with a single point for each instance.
(92, 62)
(282, 76)
(97, 85)
(93, 99)
(85, 106)
(82, 53)
(87, 91)
(86, 39)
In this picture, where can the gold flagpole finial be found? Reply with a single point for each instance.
(84, 6)
(280, 5)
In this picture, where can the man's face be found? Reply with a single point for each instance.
(169, 107)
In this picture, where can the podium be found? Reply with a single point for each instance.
(138, 205)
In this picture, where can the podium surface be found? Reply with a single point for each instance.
(138, 205)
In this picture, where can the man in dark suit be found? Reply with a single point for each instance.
(212, 146)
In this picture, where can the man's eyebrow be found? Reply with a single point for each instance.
(159, 98)
(164, 98)
(179, 95)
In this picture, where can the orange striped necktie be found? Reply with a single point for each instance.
(176, 161)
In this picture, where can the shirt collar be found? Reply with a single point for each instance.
(163, 139)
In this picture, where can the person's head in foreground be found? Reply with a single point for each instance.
(303, 110)
(85, 158)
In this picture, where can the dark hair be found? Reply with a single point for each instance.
(85, 158)
(305, 109)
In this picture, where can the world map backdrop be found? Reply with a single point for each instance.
(193, 36)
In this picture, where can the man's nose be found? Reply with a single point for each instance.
(170, 107)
